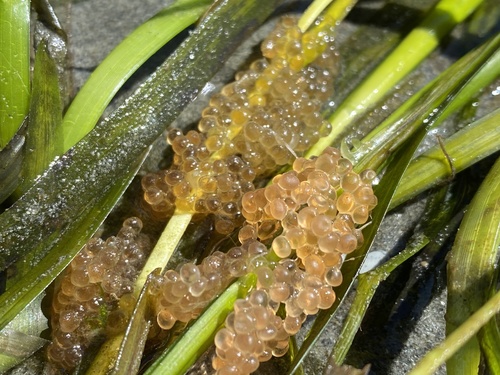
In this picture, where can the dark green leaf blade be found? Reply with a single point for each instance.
(48, 29)
(44, 139)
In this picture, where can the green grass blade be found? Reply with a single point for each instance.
(435, 358)
(44, 140)
(292, 351)
(50, 30)
(337, 11)
(407, 55)
(489, 340)
(466, 147)
(369, 44)
(52, 209)
(199, 335)
(164, 248)
(120, 64)
(472, 267)
(311, 13)
(14, 66)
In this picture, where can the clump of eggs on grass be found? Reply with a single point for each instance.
(293, 233)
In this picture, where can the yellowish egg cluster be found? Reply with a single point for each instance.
(319, 205)
(93, 296)
(252, 334)
(182, 295)
(253, 127)
(297, 48)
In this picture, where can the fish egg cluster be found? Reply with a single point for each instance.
(183, 294)
(317, 226)
(319, 205)
(253, 333)
(251, 128)
(299, 49)
(93, 296)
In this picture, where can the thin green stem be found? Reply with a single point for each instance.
(439, 355)
(165, 247)
(339, 9)
(311, 13)
(336, 11)
(392, 131)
